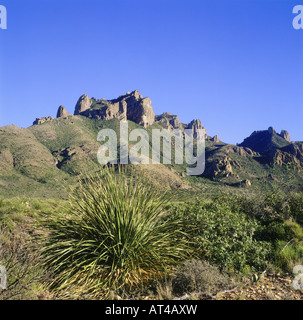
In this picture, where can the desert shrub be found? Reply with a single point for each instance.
(114, 238)
(280, 216)
(296, 207)
(223, 237)
(287, 255)
(281, 231)
(198, 276)
(24, 275)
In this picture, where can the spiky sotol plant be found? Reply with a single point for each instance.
(115, 238)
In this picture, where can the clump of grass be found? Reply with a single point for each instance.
(115, 238)
(288, 255)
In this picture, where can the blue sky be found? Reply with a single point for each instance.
(237, 65)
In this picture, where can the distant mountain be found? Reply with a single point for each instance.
(42, 159)
(266, 140)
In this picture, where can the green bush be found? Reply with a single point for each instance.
(115, 238)
(222, 236)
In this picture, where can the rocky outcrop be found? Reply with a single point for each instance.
(141, 112)
(42, 120)
(244, 152)
(131, 106)
(214, 139)
(107, 111)
(170, 121)
(83, 104)
(221, 167)
(266, 141)
(196, 125)
(285, 135)
(62, 112)
(292, 153)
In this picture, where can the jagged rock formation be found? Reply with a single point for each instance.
(131, 106)
(221, 167)
(196, 125)
(292, 153)
(214, 139)
(42, 120)
(244, 152)
(140, 110)
(171, 122)
(105, 110)
(285, 135)
(83, 104)
(62, 112)
(266, 141)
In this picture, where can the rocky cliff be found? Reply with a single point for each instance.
(131, 106)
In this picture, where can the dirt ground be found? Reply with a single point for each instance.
(268, 287)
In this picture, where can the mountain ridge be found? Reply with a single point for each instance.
(53, 151)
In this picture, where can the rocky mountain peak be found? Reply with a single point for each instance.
(83, 104)
(62, 112)
(285, 135)
(131, 106)
(265, 141)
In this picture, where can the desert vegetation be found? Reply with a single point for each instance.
(119, 237)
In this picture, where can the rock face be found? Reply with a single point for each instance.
(292, 153)
(221, 167)
(131, 106)
(62, 112)
(285, 135)
(140, 110)
(83, 104)
(42, 120)
(107, 111)
(243, 152)
(215, 139)
(196, 125)
(171, 122)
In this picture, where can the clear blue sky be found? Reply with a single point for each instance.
(237, 65)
